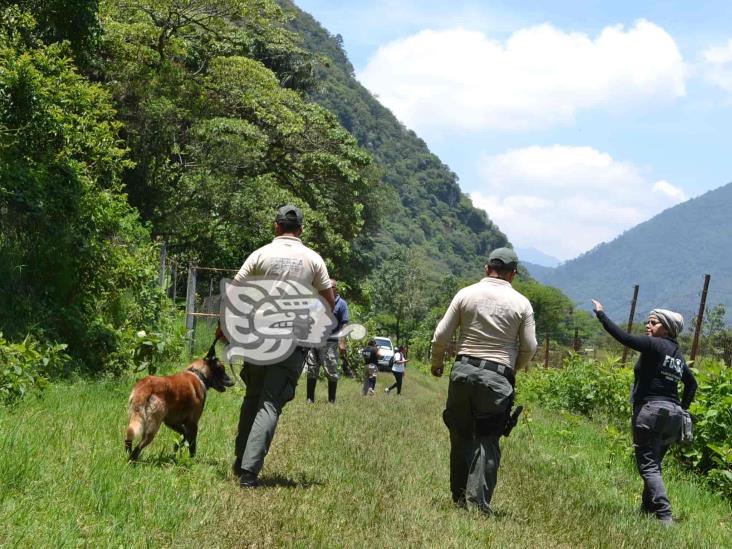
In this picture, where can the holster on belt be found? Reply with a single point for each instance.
(497, 424)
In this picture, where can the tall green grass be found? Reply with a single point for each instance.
(368, 471)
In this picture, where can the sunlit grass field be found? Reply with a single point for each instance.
(368, 471)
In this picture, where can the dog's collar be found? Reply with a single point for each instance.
(200, 376)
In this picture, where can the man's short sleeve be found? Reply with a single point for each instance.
(247, 269)
(321, 278)
(346, 316)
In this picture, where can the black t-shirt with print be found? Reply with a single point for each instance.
(370, 355)
(660, 366)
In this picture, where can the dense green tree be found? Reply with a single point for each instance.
(218, 139)
(75, 262)
(73, 21)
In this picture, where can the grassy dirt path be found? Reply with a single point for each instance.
(365, 472)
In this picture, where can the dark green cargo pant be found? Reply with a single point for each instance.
(269, 388)
(474, 393)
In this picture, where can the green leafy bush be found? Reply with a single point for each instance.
(711, 450)
(583, 386)
(151, 348)
(26, 366)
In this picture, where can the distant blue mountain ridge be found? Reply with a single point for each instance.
(537, 257)
(667, 256)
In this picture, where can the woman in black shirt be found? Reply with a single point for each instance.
(657, 411)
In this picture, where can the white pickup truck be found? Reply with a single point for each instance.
(386, 352)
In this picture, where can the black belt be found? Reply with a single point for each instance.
(501, 369)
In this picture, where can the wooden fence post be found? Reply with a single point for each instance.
(174, 269)
(630, 321)
(190, 308)
(700, 317)
(163, 258)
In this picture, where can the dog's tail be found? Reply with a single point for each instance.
(136, 413)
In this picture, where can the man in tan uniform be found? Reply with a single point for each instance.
(497, 337)
(271, 386)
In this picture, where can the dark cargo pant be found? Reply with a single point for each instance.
(474, 457)
(656, 424)
(269, 388)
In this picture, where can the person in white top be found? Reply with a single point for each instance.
(497, 337)
(270, 387)
(398, 369)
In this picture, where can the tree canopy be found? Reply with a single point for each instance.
(219, 142)
(75, 262)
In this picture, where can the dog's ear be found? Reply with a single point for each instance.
(211, 352)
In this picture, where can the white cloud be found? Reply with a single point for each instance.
(719, 55)
(718, 65)
(673, 192)
(540, 76)
(565, 200)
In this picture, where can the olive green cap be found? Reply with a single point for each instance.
(506, 256)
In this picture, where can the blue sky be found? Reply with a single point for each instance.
(568, 121)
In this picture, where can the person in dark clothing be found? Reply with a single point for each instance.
(370, 355)
(657, 410)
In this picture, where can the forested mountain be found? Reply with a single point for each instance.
(539, 272)
(667, 256)
(425, 210)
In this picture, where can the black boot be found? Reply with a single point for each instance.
(332, 386)
(311, 389)
(248, 480)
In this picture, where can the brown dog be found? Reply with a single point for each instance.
(176, 400)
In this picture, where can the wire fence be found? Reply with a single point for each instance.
(198, 288)
(203, 303)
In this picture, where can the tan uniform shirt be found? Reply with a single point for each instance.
(496, 323)
(287, 258)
